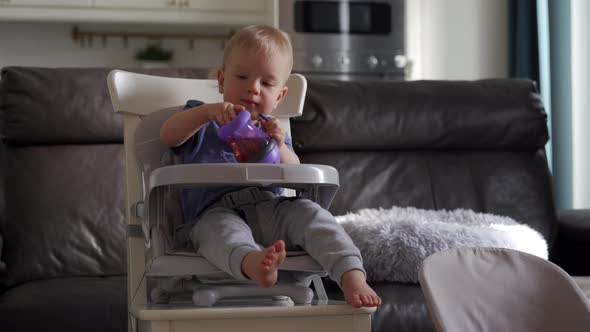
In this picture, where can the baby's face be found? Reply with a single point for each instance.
(255, 81)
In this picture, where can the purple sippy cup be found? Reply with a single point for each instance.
(250, 144)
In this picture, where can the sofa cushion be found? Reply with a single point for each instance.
(381, 115)
(70, 304)
(432, 145)
(65, 212)
(57, 106)
(64, 105)
(63, 180)
(500, 182)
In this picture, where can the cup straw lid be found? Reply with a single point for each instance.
(228, 129)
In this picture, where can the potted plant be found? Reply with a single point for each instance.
(154, 56)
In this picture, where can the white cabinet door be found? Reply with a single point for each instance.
(136, 4)
(191, 12)
(47, 3)
(228, 5)
(213, 5)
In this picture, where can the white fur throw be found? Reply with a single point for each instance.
(395, 241)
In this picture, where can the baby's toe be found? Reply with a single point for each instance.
(366, 299)
(358, 301)
(373, 301)
(377, 300)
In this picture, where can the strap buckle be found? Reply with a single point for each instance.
(243, 197)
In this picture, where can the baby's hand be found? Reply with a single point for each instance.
(274, 130)
(223, 112)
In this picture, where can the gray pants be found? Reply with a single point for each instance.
(251, 219)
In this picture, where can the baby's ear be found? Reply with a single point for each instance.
(282, 94)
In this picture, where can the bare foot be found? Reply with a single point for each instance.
(261, 266)
(356, 291)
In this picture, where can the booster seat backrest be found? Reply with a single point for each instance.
(137, 96)
(160, 97)
(148, 148)
(151, 153)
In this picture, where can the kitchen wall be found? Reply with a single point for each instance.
(446, 39)
(51, 45)
(458, 39)
(580, 99)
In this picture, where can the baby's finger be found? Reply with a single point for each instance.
(227, 115)
(278, 138)
(271, 124)
(231, 114)
(219, 118)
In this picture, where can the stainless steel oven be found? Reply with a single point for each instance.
(346, 40)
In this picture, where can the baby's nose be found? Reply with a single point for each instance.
(254, 88)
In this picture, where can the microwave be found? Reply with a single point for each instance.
(346, 39)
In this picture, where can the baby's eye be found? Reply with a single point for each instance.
(267, 83)
(241, 77)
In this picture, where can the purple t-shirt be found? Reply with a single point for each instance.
(206, 147)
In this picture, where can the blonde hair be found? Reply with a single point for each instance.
(263, 39)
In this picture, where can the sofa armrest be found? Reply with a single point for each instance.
(573, 241)
(2, 264)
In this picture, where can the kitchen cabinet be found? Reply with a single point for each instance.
(182, 12)
(136, 4)
(221, 5)
(46, 3)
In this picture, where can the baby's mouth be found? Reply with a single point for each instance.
(248, 104)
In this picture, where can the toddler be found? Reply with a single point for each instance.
(245, 231)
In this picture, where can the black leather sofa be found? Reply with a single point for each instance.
(433, 145)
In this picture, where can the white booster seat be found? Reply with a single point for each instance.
(160, 269)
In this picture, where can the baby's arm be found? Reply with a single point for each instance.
(274, 130)
(183, 125)
(288, 156)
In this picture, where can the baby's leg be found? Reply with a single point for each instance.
(226, 241)
(304, 223)
(262, 266)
